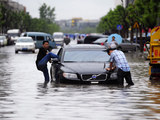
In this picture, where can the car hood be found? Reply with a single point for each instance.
(85, 68)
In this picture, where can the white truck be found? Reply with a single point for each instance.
(58, 38)
(13, 34)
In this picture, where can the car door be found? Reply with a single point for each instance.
(129, 45)
(55, 67)
(122, 46)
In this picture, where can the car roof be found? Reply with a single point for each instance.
(91, 38)
(37, 33)
(84, 46)
(25, 37)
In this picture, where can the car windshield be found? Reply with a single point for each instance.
(86, 56)
(24, 40)
(58, 36)
(100, 40)
(13, 34)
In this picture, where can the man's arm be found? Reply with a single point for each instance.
(110, 66)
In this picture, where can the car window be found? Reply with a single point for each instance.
(60, 53)
(48, 38)
(58, 36)
(125, 41)
(33, 37)
(40, 38)
(86, 56)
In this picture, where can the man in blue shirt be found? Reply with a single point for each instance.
(118, 58)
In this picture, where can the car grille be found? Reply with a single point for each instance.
(94, 77)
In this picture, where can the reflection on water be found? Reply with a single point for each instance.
(23, 96)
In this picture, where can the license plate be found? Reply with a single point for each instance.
(24, 49)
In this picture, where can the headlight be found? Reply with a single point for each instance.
(70, 75)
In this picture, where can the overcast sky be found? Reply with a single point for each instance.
(67, 9)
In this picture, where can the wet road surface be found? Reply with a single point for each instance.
(23, 97)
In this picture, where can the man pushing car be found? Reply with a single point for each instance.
(118, 58)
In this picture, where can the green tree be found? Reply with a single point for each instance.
(131, 18)
(115, 17)
(1, 17)
(47, 13)
(20, 20)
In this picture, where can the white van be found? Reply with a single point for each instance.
(58, 38)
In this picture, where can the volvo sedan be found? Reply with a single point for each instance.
(82, 63)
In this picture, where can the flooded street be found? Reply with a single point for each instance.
(22, 96)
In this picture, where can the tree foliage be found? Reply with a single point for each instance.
(21, 20)
(47, 13)
(112, 19)
(145, 12)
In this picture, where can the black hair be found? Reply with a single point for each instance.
(110, 49)
(45, 42)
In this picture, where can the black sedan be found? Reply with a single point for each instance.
(82, 63)
(91, 38)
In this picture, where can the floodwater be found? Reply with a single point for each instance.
(23, 97)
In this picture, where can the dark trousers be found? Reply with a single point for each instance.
(127, 75)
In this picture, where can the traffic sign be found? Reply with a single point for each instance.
(136, 25)
(119, 27)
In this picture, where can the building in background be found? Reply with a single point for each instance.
(12, 5)
(77, 24)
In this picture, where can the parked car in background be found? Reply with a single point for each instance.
(58, 38)
(82, 63)
(101, 41)
(128, 46)
(25, 44)
(3, 41)
(39, 37)
(91, 38)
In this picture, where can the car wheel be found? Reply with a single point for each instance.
(16, 51)
(33, 51)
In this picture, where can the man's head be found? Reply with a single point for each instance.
(110, 50)
(113, 38)
(46, 44)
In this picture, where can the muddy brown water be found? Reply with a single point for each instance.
(23, 97)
